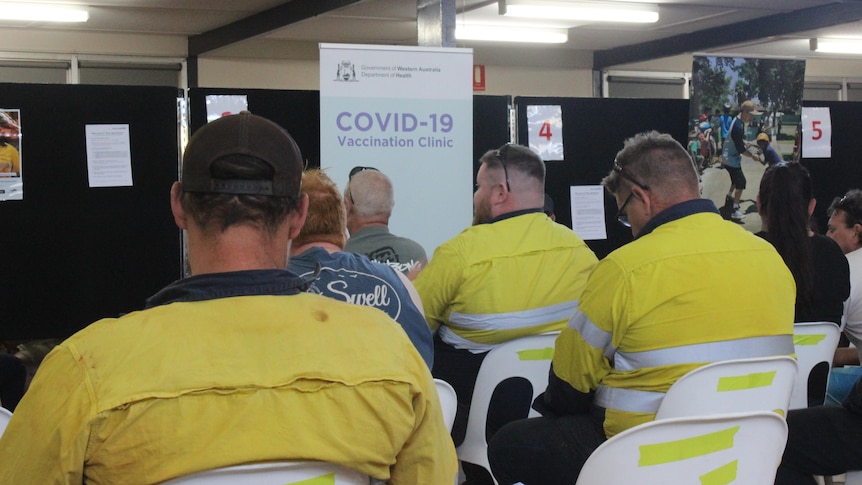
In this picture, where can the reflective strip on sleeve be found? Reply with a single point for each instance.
(592, 335)
(745, 348)
(630, 400)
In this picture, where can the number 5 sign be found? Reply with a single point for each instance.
(816, 133)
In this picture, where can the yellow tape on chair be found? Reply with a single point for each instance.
(671, 451)
(536, 354)
(721, 475)
(812, 339)
(750, 381)
(328, 479)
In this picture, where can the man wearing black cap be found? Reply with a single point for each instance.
(235, 364)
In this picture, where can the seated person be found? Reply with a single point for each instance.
(237, 363)
(514, 273)
(352, 277)
(844, 227)
(370, 198)
(822, 440)
(651, 311)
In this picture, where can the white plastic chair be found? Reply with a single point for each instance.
(448, 402)
(528, 357)
(276, 473)
(815, 342)
(732, 386)
(853, 478)
(743, 448)
(5, 416)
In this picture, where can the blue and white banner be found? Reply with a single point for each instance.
(408, 112)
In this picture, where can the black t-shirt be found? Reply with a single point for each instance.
(831, 282)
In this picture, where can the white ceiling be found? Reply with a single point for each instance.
(394, 22)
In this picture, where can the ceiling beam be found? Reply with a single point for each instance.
(261, 23)
(773, 25)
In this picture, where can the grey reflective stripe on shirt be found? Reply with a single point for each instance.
(637, 401)
(592, 335)
(502, 322)
(744, 348)
(630, 400)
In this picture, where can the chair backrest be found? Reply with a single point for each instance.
(732, 386)
(448, 402)
(720, 448)
(527, 357)
(5, 416)
(853, 478)
(815, 343)
(276, 473)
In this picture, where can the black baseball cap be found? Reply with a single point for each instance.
(243, 134)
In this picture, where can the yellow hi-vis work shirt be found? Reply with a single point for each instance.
(695, 290)
(190, 386)
(495, 282)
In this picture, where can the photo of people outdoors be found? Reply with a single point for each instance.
(11, 171)
(744, 117)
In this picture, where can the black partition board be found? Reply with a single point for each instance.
(490, 125)
(296, 111)
(594, 130)
(76, 254)
(833, 177)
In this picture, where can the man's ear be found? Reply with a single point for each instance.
(177, 205)
(297, 219)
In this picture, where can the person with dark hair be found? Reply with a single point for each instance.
(318, 251)
(652, 311)
(785, 203)
(845, 228)
(235, 364)
(514, 273)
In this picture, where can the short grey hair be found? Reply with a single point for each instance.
(371, 193)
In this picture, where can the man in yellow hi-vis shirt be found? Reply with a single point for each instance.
(653, 310)
(235, 364)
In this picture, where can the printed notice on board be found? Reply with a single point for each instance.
(588, 211)
(109, 156)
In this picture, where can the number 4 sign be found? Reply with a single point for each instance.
(545, 131)
(816, 133)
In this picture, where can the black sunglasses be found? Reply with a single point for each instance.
(501, 154)
(354, 171)
(622, 216)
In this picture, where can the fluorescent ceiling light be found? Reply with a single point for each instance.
(41, 13)
(590, 12)
(837, 46)
(510, 34)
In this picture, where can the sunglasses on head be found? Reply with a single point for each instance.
(356, 170)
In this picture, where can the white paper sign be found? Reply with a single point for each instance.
(219, 105)
(545, 131)
(588, 211)
(109, 155)
(816, 133)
